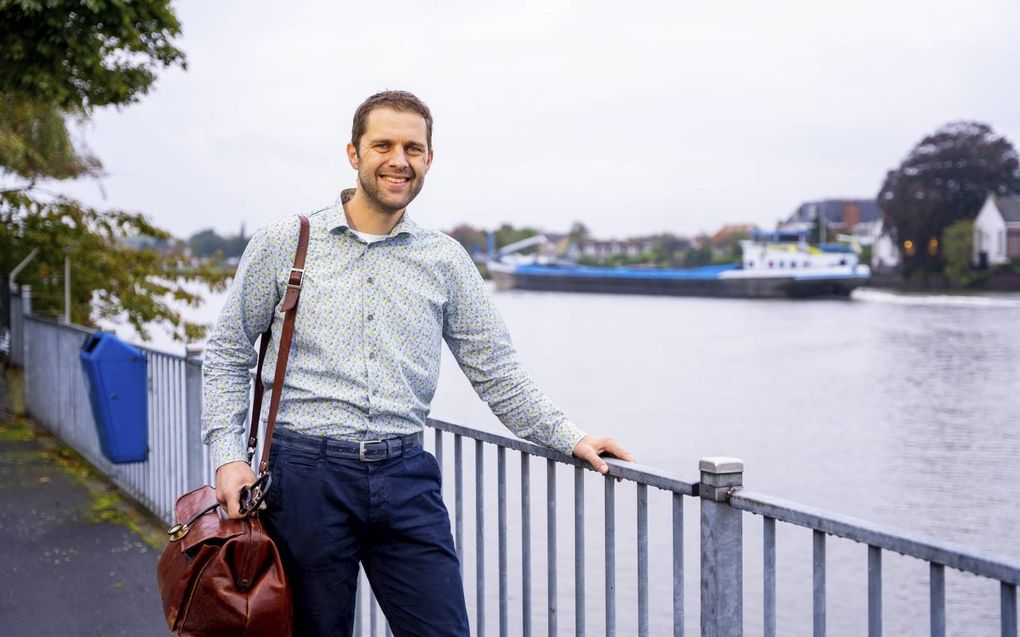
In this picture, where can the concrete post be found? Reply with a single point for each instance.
(722, 578)
(193, 402)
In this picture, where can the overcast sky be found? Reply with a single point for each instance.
(633, 117)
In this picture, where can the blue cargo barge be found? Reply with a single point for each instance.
(767, 270)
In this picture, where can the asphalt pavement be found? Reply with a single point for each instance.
(75, 558)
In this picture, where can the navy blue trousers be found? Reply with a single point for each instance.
(327, 514)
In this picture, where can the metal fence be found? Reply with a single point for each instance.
(505, 489)
(56, 396)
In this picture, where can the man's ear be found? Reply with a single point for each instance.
(428, 162)
(352, 155)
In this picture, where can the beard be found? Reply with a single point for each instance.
(388, 202)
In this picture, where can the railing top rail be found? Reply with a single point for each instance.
(70, 327)
(998, 567)
(627, 470)
(85, 331)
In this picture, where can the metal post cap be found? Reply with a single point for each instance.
(721, 464)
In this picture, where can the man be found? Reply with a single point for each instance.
(380, 294)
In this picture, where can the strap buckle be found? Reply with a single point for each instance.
(361, 451)
(300, 272)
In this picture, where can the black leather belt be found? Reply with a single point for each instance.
(364, 450)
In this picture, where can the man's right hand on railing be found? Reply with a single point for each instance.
(230, 479)
(591, 448)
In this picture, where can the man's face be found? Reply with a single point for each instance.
(392, 158)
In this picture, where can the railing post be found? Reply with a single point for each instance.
(16, 321)
(722, 612)
(18, 325)
(193, 405)
(26, 300)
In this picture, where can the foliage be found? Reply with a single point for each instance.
(507, 234)
(207, 243)
(108, 277)
(668, 250)
(728, 250)
(866, 255)
(944, 179)
(78, 55)
(471, 238)
(958, 250)
(60, 60)
(35, 142)
(578, 232)
(699, 255)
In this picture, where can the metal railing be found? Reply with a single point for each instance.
(877, 538)
(55, 397)
(521, 560)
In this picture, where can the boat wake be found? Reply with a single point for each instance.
(870, 295)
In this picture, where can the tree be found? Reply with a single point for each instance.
(74, 55)
(207, 243)
(109, 277)
(507, 234)
(59, 61)
(699, 254)
(728, 250)
(945, 178)
(578, 232)
(958, 248)
(471, 238)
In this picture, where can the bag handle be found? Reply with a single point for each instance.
(290, 303)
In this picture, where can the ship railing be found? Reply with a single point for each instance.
(55, 396)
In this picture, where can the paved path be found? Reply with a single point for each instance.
(63, 571)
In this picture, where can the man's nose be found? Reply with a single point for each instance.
(397, 158)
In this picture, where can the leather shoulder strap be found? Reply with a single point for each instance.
(290, 303)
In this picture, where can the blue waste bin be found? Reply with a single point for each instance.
(116, 376)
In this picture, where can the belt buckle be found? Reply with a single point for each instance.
(361, 451)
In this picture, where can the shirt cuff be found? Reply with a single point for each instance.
(227, 448)
(565, 437)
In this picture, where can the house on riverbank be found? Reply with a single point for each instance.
(997, 231)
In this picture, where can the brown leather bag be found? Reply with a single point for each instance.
(220, 577)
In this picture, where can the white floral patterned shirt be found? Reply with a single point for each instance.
(364, 361)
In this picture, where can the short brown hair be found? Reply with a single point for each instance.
(400, 101)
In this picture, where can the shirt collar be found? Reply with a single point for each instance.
(336, 219)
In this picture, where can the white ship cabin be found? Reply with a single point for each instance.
(765, 255)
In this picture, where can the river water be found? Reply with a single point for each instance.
(898, 409)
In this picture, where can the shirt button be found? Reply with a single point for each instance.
(375, 392)
(370, 317)
(370, 280)
(371, 356)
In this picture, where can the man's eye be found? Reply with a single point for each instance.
(382, 146)
(414, 150)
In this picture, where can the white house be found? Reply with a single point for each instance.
(997, 231)
(885, 254)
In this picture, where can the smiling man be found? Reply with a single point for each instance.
(351, 483)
